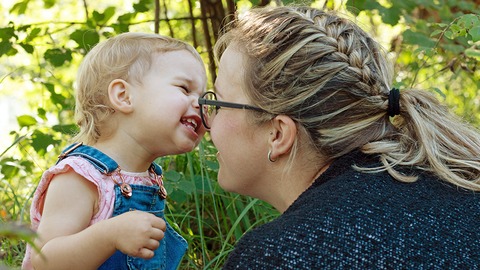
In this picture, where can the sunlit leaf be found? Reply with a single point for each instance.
(20, 7)
(474, 53)
(67, 129)
(33, 34)
(49, 3)
(101, 18)
(9, 167)
(26, 120)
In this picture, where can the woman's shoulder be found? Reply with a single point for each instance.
(357, 225)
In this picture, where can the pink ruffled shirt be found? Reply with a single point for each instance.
(104, 183)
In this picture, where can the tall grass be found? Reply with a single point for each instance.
(210, 219)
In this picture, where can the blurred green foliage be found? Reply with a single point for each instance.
(434, 44)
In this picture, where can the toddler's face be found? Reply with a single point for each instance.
(166, 103)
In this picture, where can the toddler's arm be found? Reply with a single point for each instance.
(66, 240)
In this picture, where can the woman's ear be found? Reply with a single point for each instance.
(282, 136)
(119, 96)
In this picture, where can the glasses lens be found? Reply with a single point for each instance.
(209, 111)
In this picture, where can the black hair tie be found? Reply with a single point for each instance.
(394, 102)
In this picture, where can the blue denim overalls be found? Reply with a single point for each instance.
(135, 197)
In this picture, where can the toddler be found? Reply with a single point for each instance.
(102, 205)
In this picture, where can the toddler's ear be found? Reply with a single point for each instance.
(119, 96)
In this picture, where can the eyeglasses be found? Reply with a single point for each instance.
(209, 105)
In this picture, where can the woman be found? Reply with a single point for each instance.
(365, 176)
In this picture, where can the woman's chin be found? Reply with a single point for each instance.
(226, 185)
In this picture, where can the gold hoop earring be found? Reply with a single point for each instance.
(270, 156)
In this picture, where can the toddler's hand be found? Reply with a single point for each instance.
(138, 233)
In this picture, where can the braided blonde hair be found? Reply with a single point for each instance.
(127, 56)
(333, 79)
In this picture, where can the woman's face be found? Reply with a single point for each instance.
(242, 145)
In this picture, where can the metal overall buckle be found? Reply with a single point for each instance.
(125, 188)
(162, 192)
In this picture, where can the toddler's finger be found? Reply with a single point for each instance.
(159, 223)
(152, 244)
(157, 234)
(145, 253)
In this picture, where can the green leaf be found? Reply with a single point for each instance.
(9, 167)
(20, 7)
(33, 34)
(212, 165)
(57, 57)
(56, 98)
(176, 195)
(41, 141)
(143, 6)
(67, 129)
(49, 3)
(7, 49)
(7, 33)
(448, 34)
(474, 53)
(85, 39)
(102, 18)
(475, 33)
(26, 120)
(27, 47)
(359, 5)
(109, 13)
(436, 32)
(127, 17)
(458, 30)
(42, 113)
(436, 89)
(469, 20)
(172, 175)
(454, 48)
(187, 186)
(391, 15)
(419, 39)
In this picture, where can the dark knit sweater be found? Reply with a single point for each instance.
(353, 220)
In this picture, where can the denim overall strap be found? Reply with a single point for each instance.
(157, 169)
(102, 162)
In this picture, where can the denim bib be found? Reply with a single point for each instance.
(135, 197)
